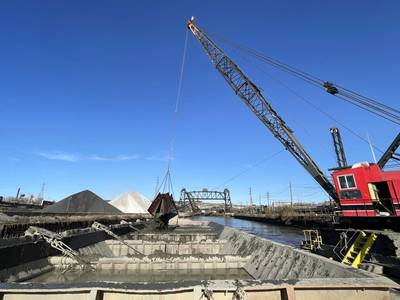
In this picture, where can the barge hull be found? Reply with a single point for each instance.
(303, 290)
(276, 271)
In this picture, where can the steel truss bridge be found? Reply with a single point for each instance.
(191, 199)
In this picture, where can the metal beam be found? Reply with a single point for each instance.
(253, 98)
(339, 148)
(390, 152)
(205, 195)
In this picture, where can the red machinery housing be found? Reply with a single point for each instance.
(366, 190)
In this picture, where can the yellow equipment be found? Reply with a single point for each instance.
(360, 248)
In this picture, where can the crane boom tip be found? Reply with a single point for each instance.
(190, 22)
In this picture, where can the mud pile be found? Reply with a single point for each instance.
(82, 202)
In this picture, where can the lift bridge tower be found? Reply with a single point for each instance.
(191, 199)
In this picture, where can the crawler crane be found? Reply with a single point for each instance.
(363, 190)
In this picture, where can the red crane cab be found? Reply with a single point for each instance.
(366, 190)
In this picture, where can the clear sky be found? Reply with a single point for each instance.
(88, 88)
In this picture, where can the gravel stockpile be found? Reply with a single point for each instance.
(82, 202)
(131, 203)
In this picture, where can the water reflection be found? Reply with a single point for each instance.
(281, 234)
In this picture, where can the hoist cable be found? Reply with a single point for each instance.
(369, 99)
(375, 107)
(166, 184)
(379, 109)
(178, 97)
(284, 85)
(307, 101)
(385, 116)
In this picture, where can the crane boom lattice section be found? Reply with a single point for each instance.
(390, 152)
(253, 98)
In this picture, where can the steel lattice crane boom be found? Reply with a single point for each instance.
(253, 98)
(339, 148)
(361, 190)
(390, 152)
(373, 106)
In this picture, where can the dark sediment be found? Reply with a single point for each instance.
(82, 202)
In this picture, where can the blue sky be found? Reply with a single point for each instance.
(88, 88)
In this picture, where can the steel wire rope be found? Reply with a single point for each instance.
(166, 184)
(373, 108)
(353, 96)
(365, 105)
(365, 97)
(305, 130)
(317, 108)
(249, 168)
(380, 109)
(370, 108)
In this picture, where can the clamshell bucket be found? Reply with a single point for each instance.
(163, 208)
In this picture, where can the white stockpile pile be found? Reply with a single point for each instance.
(132, 203)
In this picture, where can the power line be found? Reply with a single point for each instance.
(281, 191)
(249, 168)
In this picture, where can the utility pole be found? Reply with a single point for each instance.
(291, 193)
(17, 196)
(251, 198)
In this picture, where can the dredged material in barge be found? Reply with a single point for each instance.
(242, 266)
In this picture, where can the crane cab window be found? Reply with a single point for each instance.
(352, 194)
(346, 182)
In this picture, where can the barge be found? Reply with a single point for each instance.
(191, 260)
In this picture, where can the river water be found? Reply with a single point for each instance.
(282, 234)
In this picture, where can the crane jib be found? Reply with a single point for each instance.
(253, 98)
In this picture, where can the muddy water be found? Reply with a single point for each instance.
(281, 234)
(141, 276)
